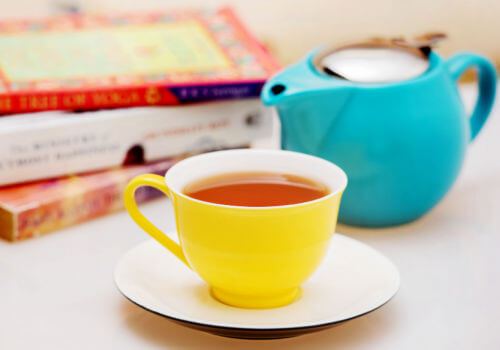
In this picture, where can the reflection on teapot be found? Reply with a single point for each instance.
(398, 129)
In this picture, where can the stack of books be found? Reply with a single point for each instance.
(87, 102)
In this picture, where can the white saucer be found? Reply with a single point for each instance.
(353, 280)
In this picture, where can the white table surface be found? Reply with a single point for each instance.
(57, 291)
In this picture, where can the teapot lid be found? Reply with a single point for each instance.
(378, 60)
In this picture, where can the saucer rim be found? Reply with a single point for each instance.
(231, 328)
(265, 329)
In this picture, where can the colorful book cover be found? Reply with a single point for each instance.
(33, 209)
(79, 62)
(36, 208)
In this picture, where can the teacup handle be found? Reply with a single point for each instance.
(157, 182)
(487, 80)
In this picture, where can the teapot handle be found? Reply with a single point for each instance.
(487, 80)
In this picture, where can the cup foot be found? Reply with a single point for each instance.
(255, 301)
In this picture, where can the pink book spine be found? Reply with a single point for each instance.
(59, 203)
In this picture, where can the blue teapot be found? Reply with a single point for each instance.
(401, 143)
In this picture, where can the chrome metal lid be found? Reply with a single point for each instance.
(378, 60)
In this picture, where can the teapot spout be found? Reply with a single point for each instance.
(274, 91)
(297, 82)
(286, 85)
(308, 102)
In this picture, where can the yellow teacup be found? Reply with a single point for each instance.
(253, 257)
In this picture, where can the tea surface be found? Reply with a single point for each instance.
(256, 189)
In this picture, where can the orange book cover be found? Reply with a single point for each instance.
(81, 62)
(33, 209)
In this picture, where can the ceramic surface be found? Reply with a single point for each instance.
(401, 144)
(353, 280)
(253, 257)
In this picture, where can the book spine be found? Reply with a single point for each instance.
(11, 103)
(52, 145)
(63, 202)
(71, 200)
(214, 92)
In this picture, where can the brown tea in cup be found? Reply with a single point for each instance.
(256, 189)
